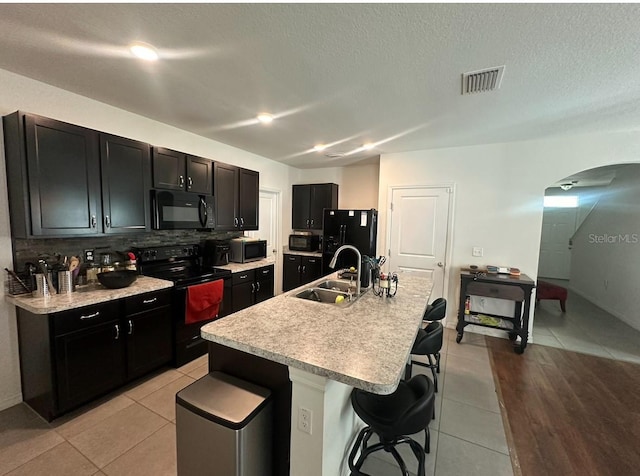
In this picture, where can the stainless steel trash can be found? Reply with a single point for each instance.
(224, 428)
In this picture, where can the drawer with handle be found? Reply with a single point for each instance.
(499, 291)
(243, 277)
(264, 273)
(84, 317)
(144, 302)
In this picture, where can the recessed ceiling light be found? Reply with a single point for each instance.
(265, 117)
(368, 145)
(319, 147)
(144, 51)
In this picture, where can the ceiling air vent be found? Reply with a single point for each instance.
(482, 80)
(335, 155)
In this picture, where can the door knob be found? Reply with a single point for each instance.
(440, 264)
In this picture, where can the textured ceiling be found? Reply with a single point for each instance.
(341, 73)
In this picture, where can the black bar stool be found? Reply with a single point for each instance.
(392, 418)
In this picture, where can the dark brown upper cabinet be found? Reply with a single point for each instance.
(174, 170)
(309, 202)
(126, 179)
(236, 197)
(54, 179)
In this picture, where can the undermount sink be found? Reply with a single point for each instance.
(327, 296)
(327, 292)
(344, 286)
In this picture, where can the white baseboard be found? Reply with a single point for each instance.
(10, 401)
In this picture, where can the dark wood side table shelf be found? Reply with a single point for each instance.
(501, 286)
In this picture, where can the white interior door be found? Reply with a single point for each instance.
(418, 232)
(558, 226)
(268, 229)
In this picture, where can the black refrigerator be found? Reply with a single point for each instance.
(348, 227)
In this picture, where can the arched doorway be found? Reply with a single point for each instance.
(590, 246)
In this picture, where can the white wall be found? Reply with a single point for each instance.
(605, 259)
(498, 192)
(20, 93)
(357, 184)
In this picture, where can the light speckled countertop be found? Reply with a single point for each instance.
(239, 267)
(365, 345)
(316, 254)
(86, 296)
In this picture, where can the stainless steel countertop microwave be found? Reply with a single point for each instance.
(243, 251)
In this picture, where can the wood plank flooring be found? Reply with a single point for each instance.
(568, 413)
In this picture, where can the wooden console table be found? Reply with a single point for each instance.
(501, 286)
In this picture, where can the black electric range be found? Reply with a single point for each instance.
(181, 265)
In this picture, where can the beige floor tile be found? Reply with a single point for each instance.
(459, 457)
(469, 350)
(470, 389)
(199, 372)
(62, 460)
(78, 421)
(194, 364)
(479, 368)
(150, 385)
(23, 436)
(117, 434)
(154, 456)
(473, 424)
(163, 401)
(22, 445)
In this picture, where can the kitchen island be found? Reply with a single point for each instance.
(329, 349)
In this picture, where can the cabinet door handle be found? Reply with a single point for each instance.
(117, 332)
(304, 269)
(149, 301)
(266, 271)
(298, 268)
(312, 261)
(94, 222)
(258, 286)
(107, 221)
(243, 276)
(189, 183)
(130, 327)
(241, 222)
(235, 222)
(181, 181)
(307, 223)
(253, 288)
(90, 316)
(311, 222)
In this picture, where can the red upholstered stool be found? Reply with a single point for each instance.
(551, 291)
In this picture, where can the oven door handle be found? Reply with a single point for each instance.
(206, 280)
(202, 212)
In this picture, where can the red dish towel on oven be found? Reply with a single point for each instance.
(203, 301)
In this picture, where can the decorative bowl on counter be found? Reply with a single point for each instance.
(117, 279)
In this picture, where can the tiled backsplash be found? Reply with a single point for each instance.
(29, 249)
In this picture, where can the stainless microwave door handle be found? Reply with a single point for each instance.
(202, 212)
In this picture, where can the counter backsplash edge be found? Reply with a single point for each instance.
(28, 249)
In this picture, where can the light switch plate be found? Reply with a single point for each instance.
(477, 251)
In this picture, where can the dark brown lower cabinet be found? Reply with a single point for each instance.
(89, 363)
(299, 270)
(69, 358)
(251, 287)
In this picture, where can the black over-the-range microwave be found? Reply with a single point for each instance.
(181, 210)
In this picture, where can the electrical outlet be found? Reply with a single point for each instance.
(88, 256)
(477, 251)
(304, 420)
